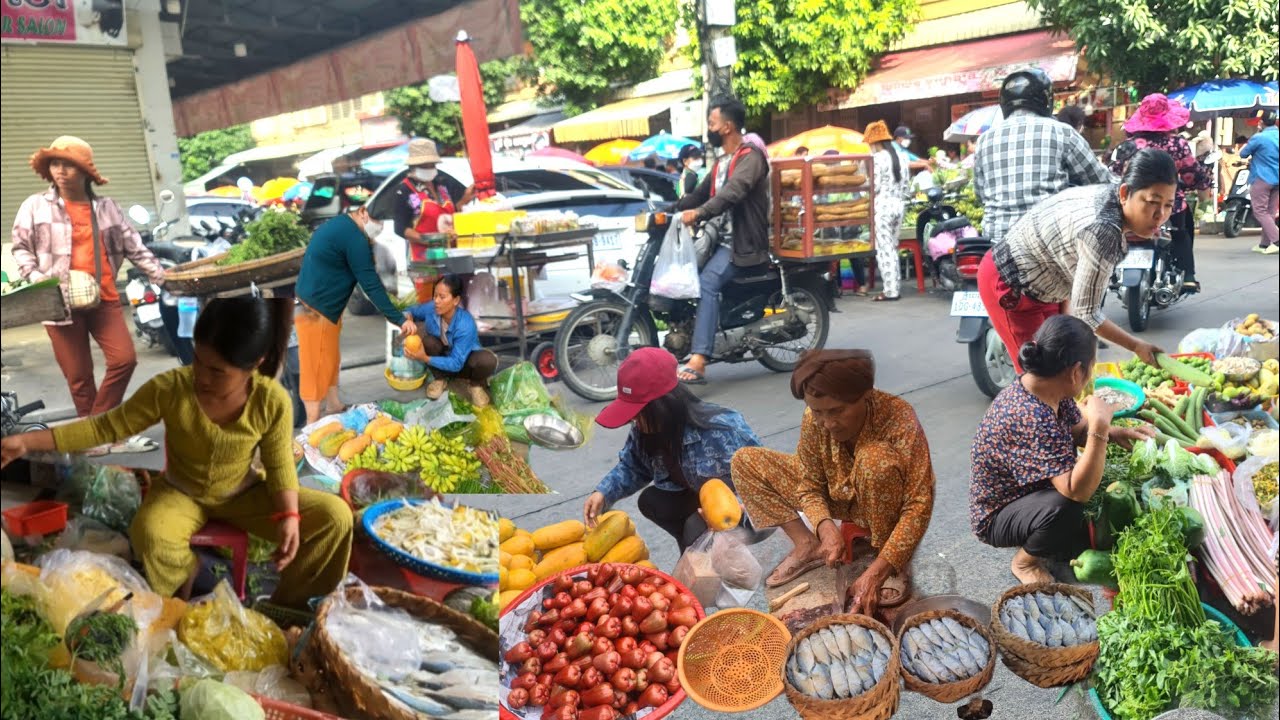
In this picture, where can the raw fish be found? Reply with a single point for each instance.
(958, 631)
(804, 656)
(940, 669)
(863, 640)
(839, 682)
(843, 640)
(820, 654)
(1035, 631)
(953, 665)
(828, 639)
(1061, 602)
(878, 666)
(422, 705)
(882, 645)
(981, 644)
(468, 698)
(866, 675)
(943, 632)
(1046, 604)
(806, 685)
(1068, 634)
(1087, 607)
(929, 633)
(1033, 610)
(920, 669)
(855, 682)
(822, 682)
(912, 641)
(970, 662)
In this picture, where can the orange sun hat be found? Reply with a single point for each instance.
(71, 149)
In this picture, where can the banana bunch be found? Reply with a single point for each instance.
(367, 460)
(447, 463)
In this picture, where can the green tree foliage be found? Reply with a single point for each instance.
(1162, 45)
(790, 52)
(202, 152)
(420, 116)
(585, 47)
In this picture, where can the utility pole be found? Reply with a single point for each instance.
(715, 19)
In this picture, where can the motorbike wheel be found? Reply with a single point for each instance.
(544, 359)
(948, 277)
(1139, 306)
(586, 347)
(814, 338)
(1234, 221)
(990, 363)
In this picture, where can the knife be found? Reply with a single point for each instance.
(844, 577)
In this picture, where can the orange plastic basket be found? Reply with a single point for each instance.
(276, 710)
(732, 661)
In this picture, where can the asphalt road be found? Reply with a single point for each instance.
(913, 342)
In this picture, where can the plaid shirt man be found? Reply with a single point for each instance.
(1024, 160)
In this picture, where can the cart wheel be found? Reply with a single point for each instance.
(544, 358)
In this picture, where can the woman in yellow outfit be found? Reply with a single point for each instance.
(217, 413)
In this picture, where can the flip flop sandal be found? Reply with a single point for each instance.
(98, 451)
(894, 583)
(796, 571)
(698, 378)
(885, 298)
(135, 444)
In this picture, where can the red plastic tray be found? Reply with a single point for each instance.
(655, 713)
(43, 517)
(277, 710)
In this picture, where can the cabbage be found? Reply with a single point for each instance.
(1142, 463)
(213, 700)
(1179, 464)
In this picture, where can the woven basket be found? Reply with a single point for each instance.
(207, 277)
(949, 692)
(357, 691)
(878, 703)
(1037, 664)
(730, 661)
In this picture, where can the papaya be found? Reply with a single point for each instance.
(331, 444)
(376, 423)
(558, 535)
(506, 597)
(631, 525)
(521, 562)
(520, 579)
(630, 549)
(353, 447)
(322, 432)
(518, 545)
(647, 564)
(720, 506)
(607, 533)
(506, 529)
(560, 559)
(387, 432)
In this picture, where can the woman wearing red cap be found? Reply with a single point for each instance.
(70, 233)
(863, 459)
(677, 443)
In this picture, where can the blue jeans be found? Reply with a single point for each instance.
(717, 273)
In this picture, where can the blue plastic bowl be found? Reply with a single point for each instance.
(1127, 387)
(1212, 614)
(418, 565)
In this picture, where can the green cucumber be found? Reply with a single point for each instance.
(1179, 423)
(1181, 408)
(1184, 372)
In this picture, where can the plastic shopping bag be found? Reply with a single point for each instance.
(675, 273)
(1242, 480)
(720, 570)
(1231, 440)
(230, 636)
(609, 276)
(519, 391)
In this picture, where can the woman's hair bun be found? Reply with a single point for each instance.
(1030, 356)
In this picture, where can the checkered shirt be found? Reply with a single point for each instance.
(1024, 160)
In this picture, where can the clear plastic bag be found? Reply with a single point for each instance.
(435, 414)
(609, 276)
(113, 497)
(519, 391)
(230, 636)
(720, 570)
(383, 641)
(1160, 490)
(74, 580)
(272, 682)
(1231, 440)
(89, 535)
(1202, 340)
(172, 661)
(1242, 479)
(1233, 344)
(675, 272)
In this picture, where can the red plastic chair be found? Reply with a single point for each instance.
(851, 532)
(912, 245)
(218, 534)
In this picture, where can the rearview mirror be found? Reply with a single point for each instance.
(139, 215)
(166, 197)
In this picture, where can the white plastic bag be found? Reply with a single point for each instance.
(609, 276)
(1242, 479)
(1230, 439)
(720, 570)
(675, 274)
(1203, 340)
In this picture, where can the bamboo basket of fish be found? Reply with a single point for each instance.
(942, 644)
(1047, 632)
(820, 658)
(359, 692)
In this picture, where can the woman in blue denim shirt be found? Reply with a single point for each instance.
(677, 443)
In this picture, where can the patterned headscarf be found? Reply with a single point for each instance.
(845, 375)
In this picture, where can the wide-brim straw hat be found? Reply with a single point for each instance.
(421, 152)
(1158, 113)
(73, 150)
(876, 132)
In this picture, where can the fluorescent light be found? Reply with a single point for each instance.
(240, 50)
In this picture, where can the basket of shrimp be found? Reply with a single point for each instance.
(843, 667)
(945, 655)
(1047, 632)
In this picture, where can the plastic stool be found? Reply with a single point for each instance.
(851, 532)
(218, 534)
(912, 245)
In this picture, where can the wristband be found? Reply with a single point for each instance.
(285, 515)
(1104, 438)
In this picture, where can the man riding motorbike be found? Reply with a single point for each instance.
(1030, 156)
(733, 200)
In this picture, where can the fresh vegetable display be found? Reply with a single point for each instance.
(1264, 483)
(1094, 567)
(509, 471)
(1171, 369)
(1182, 421)
(270, 234)
(603, 645)
(1054, 620)
(528, 558)
(1237, 546)
(842, 661)
(101, 638)
(942, 650)
(459, 537)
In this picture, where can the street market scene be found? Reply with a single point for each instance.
(549, 360)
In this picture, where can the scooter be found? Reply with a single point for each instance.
(11, 415)
(770, 313)
(145, 297)
(1148, 277)
(1238, 206)
(989, 360)
(156, 238)
(938, 227)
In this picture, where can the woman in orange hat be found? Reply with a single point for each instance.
(892, 180)
(70, 233)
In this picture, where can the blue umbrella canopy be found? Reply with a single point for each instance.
(664, 145)
(388, 161)
(1225, 98)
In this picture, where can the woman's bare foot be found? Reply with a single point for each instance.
(1027, 568)
(799, 561)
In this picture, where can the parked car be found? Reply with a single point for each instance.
(660, 185)
(533, 184)
(212, 209)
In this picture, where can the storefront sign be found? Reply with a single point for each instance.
(519, 145)
(81, 22)
(687, 119)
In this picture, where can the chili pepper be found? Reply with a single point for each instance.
(568, 677)
(517, 698)
(653, 696)
(519, 652)
(601, 694)
(654, 623)
(607, 662)
(623, 679)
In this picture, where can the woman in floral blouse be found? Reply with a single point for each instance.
(1028, 487)
(677, 443)
(1155, 125)
(862, 459)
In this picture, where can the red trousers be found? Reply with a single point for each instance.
(105, 323)
(1017, 324)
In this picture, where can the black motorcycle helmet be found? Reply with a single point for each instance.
(1029, 89)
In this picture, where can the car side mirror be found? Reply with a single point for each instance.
(139, 215)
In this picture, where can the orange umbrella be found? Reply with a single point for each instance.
(820, 140)
(275, 188)
(228, 191)
(614, 152)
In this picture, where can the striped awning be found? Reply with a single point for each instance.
(623, 119)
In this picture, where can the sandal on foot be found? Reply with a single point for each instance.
(697, 379)
(885, 298)
(780, 577)
(135, 444)
(894, 585)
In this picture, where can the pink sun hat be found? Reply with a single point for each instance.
(1158, 113)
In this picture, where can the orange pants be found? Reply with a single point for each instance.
(319, 353)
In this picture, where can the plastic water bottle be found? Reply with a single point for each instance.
(188, 309)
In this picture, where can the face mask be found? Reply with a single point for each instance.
(695, 164)
(424, 174)
(373, 228)
(905, 142)
(715, 139)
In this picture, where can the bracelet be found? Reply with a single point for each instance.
(285, 515)
(1100, 436)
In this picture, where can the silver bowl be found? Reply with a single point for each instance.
(552, 433)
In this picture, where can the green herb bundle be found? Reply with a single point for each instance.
(1151, 567)
(271, 234)
(102, 639)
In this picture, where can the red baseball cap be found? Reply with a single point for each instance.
(646, 375)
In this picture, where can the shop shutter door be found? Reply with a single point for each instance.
(83, 91)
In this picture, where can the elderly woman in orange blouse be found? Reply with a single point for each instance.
(862, 459)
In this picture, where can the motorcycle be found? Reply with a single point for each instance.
(989, 360)
(145, 298)
(11, 415)
(156, 238)
(770, 313)
(938, 228)
(1237, 206)
(1148, 277)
